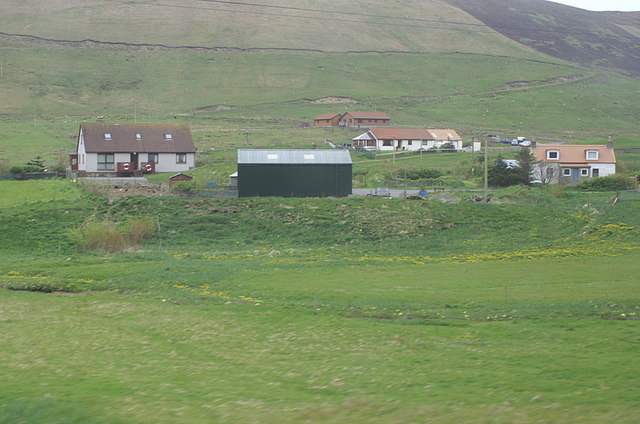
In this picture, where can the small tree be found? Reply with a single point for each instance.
(37, 164)
(502, 175)
(524, 171)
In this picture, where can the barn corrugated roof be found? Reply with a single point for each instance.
(284, 156)
(155, 138)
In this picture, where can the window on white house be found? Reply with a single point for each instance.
(152, 158)
(592, 155)
(107, 136)
(106, 162)
(566, 172)
(553, 154)
(168, 137)
(138, 136)
(181, 158)
(584, 172)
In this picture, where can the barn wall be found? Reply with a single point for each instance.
(294, 180)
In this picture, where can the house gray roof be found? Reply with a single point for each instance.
(147, 138)
(266, 156)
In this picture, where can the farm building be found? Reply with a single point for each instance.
(411, 139)
(572, 163)
(327, 120)
(294, 173)
(129, 149)
(364, 119)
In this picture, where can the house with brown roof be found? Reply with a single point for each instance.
(108, 148)
(560, 163)
(364, 119)
(327, 120)
(409, 139)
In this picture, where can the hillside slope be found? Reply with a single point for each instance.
(329, 26)
(603, 39)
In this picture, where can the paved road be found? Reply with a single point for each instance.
(391, 192)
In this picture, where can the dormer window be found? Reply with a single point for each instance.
(272, 156)
(310, 156)
(592, 155)
(138, 136)
(107, 136)
(168, 137)
(553, 154)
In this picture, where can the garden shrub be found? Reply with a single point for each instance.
(185, 186)
(608, 183)
(450, 181)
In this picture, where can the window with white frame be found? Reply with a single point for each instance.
(152, 158)
(181, 158)
(584, 172)
(107, 136)
(566, 172)
(138, 136)
(553, 154)
(592, 155)
(106, 162)
(168, 136)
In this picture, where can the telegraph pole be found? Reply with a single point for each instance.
(486, 173)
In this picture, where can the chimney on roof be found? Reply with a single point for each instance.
(609, 143)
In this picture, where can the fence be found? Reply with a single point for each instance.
(628, 195)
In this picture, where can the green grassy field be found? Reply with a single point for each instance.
(318, 310)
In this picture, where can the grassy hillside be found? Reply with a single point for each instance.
(333, 26)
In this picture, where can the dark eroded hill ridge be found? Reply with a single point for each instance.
(602, 39)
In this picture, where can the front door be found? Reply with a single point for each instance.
(575, 175)
(134, 161)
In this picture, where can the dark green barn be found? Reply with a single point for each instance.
(294, 173)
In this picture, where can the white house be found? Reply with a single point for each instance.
(104, 148)
(558, 163)
(411, 139)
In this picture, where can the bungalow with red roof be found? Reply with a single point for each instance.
(559, 163)
(411, 139)
(105, 148)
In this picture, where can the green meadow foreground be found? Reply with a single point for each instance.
(321, 310)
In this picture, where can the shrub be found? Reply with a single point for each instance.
(450, 181)
(608, 183)
(99, 235)
(16, 170)
(418, 174)
(139, 229)
(108, 236)
(185, 186)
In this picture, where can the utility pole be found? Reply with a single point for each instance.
(486, 173)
